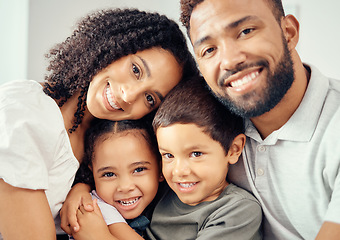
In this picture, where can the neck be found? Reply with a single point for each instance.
(280, 114)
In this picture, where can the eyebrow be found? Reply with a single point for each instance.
(102, 169)
(189, 148)
(146, 66)
(161, 97)
(229, 27)
(140, 163)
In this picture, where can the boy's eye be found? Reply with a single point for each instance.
(109, 174)
(150, 99)
(136, 71)
(196, 154)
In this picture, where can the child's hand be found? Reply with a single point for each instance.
(92, 225)
(77, 197)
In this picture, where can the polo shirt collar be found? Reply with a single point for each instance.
(302, 124)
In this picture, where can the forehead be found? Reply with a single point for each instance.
(131, 141)
(165, 71)
(210, 14)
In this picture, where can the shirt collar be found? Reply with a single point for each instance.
(302, 124)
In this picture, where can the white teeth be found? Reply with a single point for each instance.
(128, 203)
(187, 185)
(109, 98)
(244, 80)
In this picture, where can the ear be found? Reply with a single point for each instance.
(161, 177)
(236, 148)
(290, 27)
(90, 167)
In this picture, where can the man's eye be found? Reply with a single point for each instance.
(208, 51)
(246, 31)
(196, 154)
(136, 71)
(109, 174)
(150, 99)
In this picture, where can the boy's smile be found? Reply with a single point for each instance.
(194, 165)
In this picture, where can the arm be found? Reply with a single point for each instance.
(78, 196)
(93, 226)
(123, 231)
(25, 214)
(329, 231)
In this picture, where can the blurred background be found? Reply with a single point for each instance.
(29, 28)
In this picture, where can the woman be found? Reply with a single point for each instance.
(117, 64)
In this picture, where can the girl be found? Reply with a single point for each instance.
(121, 163)
(117, 64)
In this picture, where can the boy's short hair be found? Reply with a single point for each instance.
(192, 102)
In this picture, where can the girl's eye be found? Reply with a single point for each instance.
(150, 99)
(136, 71)
(109, 174)
(139, 169)
(196, 154)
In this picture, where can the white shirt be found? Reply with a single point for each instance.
(35, 151)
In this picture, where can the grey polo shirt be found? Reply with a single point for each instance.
(294, 172)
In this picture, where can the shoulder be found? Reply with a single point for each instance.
(25, 104)
(237, 194)
(236, 202)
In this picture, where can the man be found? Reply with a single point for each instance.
(246, 51)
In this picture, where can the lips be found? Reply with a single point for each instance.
(111, 99)
(244, 80)
(186, 186)
(128, 202)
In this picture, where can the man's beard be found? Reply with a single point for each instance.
(278, 83)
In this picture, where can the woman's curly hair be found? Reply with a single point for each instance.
(101, 130)
(103, 37)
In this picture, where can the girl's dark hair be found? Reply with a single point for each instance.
(99, 131)
(187, 6)
(192, 102)
(100, 39)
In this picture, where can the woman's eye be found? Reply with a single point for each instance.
(136, 71)
(196, 154)
(109, 174)
(167, 155)
(150, 99)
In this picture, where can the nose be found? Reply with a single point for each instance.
(181, 168)
(231, 55)
(125, 184)
(130, 92)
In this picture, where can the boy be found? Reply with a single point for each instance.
(198, 138)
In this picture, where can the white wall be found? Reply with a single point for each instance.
(319, 33)
(52, 21)
(24, 42)
(13, 39)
